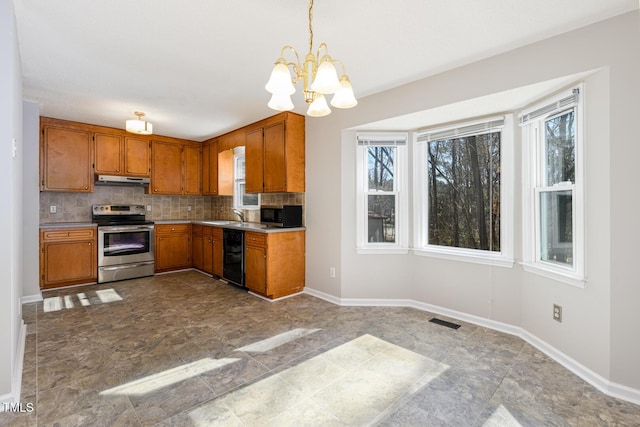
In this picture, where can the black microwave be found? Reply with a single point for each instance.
(281, 216)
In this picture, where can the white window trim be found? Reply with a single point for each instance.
(531, 177)
(401, 245)
(238, 181)
(504, 258)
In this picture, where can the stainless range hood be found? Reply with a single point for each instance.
(121, 180)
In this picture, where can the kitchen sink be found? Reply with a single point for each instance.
(237, 224)
(222, 222)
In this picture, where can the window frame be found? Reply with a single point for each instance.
(503, 258)
(534, 184)
(239, 182)
(400, 141)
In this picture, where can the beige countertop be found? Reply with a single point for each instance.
(237, 225)
(67, 224)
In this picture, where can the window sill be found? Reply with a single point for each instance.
(382, 251)
(496, 261)
(567, 278)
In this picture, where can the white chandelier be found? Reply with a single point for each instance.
(319, 78)
(139, 125)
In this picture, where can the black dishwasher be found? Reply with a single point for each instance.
(233, 256)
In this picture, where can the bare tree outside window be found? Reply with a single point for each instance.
(381, 200)
(464, 192)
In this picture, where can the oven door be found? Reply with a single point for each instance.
(125, 244)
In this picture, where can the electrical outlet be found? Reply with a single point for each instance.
(557, 313)
(332, 272)
(53, 209)
(189, 208)
(148, 208)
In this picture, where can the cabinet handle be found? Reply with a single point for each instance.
(155, 189)
(89, 243)
(128, 170)
(173, 229)
(85, 187)
(117, 170)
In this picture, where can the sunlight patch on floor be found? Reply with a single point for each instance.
(276, 341)
(501, 417)
(166, 378)
(102, 296)
(355, 383)
(108, 295)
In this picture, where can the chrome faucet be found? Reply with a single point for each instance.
(240, 214)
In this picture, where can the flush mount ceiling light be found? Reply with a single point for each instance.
(139, 125)
(318, 75)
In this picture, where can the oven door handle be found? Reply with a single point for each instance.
(125, 228)
(123, 266)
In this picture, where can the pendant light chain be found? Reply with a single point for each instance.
(310, 26)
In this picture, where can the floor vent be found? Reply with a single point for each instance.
(444, 323)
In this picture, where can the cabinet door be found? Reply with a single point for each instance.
(108, 154)
(210, 169)
(225, 173)
(192, 170)
(166, 168)
(207, 254)
(256, 269)
(137, 156)
(253, 161)
(67, 163)
(217, 251)
(274, 176)
(173, 252)
(66, 263)
(196, 248)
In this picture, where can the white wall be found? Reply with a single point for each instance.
(31, 202)
(599, 329)
(11, 209)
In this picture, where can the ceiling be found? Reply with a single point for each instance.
(198, 68)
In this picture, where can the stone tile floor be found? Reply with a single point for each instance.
(183, 349)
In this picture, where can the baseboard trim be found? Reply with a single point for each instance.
(31, 298)
(607, 387)
(16, 377)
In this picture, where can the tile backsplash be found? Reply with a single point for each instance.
(76, 207)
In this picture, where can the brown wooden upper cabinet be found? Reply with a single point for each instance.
(137, 157)
(225, 172)
(193, 169)
(175, 168)
(118, 155)
(66, 158)
(275, 161)
(210, 168)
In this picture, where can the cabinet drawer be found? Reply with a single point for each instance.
(68, 234)
(256, 239)
(207, 231)
(172, 228)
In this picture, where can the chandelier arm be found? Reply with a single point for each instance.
(326, 52)
(344, 69)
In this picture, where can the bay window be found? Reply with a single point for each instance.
(463, 188)
(382, 203)
(553, 188)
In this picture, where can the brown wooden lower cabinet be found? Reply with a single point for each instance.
(207, 249)
(216, 237)
(275, 263)
(172, 247)
(68, 256)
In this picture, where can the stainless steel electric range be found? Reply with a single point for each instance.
(125, 242)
